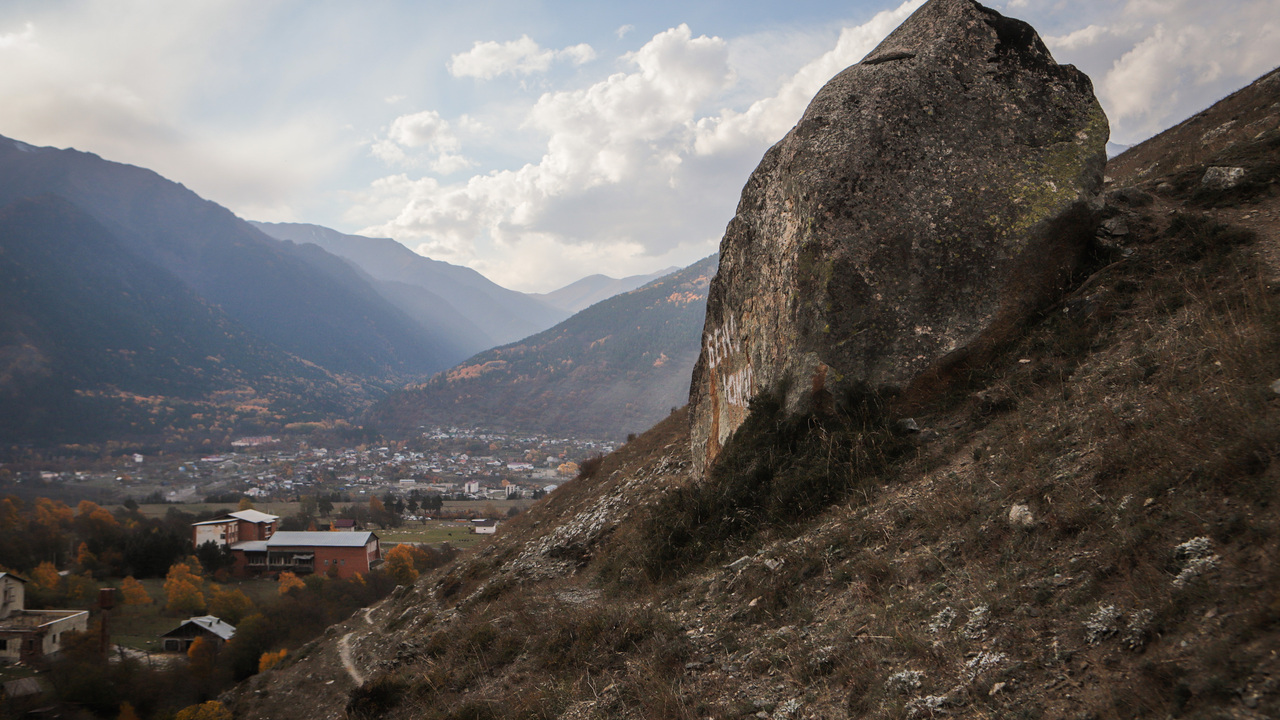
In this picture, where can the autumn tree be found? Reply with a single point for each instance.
(271, 659)
(183, 590)
(289, 581)
(246, 504)
(127, 712)
(399, 564)
(133, 592)
(212, 710)
(232, 605)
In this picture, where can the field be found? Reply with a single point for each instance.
(434, 532)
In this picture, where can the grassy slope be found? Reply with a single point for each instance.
(1135, 416)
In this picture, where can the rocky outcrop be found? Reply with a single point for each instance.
(931, 198)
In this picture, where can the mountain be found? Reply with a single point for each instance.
(309, 304)
(474, 312)
(1082, 526)
(588, 291)
(97, 343)
(612, 369)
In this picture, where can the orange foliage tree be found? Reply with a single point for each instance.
(271, 659)
(400, 563)
(133, 592)
(212, 710)
(183, 590)
(231, 605)
(46, 578)
(289, 581)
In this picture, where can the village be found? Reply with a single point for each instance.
(454, 463)
(276, 524)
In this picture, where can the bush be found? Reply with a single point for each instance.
(776, 469)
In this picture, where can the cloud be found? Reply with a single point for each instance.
(98, 78)
(637, 169)
(623, 31)
(18, 39)
(768, 119)
(424, 130)
(487, 60)
(1177, 57)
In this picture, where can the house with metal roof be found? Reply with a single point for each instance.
(212, 629)
(337, 554)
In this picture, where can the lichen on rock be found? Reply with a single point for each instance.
(930, 199)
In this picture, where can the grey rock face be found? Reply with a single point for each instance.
(931, 197)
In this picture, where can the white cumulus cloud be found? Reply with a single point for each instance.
(768, 119)
(488, 59)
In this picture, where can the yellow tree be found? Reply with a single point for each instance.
(127, 712)
(183, 590)
(53, 514)
(289, 581)
(46, 578)
(134, 593)
(246, 503)
(400, 565)
(81, 588)
(85, 557)
(212, 710)
(231, 605)
(271, 659)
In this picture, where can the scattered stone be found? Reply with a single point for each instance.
(976, 627)
(1115, 227)
(891, 239)
(1165, 188)
(1138, 630)
(1275, 387)
(787, 710)
(996, 688)
(1131, 196)
(1222, 178)
(1020, 515)
(740, 562)
(1197, 557)
(908, 425)
(1102, 624)
(942, 621)
(904, 681)
(925, 706)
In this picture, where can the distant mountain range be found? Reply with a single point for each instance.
(592, 289)
(616, 367)
(132, 309)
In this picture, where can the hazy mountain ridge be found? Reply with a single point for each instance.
(481, 313)
(97, 343)
(302, 304)
(588, 291)
(611, 369)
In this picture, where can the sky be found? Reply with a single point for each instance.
(537, 141)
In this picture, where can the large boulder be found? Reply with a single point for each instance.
(930, 199)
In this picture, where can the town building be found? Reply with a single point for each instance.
(28, 636)
(343, 554)
(212, 629)
(234, 527)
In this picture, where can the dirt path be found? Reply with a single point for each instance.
(344, 650)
